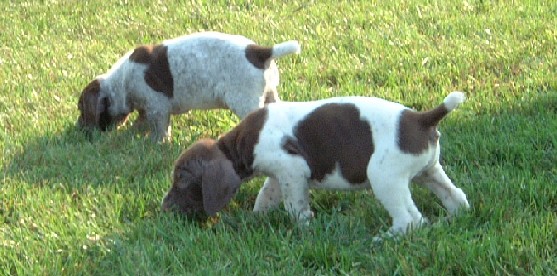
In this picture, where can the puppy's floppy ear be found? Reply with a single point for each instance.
(93, 107)
(220, 183)
(103, 118)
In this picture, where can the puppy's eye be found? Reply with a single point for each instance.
(186, 179)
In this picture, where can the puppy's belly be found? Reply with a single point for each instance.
(180, 107)
(335, 181)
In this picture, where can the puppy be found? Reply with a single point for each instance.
(203, 70)
(339, 143)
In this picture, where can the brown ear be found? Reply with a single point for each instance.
(219, 184)
(93, 107)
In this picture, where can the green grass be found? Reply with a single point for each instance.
(70, 205)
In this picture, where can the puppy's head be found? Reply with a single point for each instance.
(204, 181)
(94, 109)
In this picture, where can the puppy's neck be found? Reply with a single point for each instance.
(238, 144)
(238, 153)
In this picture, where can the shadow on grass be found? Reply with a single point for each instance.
(236, 242)
(103, 157)
(73, 158)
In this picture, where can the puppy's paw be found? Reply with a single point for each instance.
(305, 217)
(387, 235)
(458, 202)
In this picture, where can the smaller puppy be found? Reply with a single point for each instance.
(199, 71)
(339, 143)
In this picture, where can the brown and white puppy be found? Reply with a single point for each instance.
(199, 71)
(338, 143)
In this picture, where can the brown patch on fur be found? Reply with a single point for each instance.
(93, 109)
(238, 144)
(204, 149)
(87, 104)
(258, 55)
(186, 191)
(157, 75)
(417, 130)
(334, 134)
(271, 96)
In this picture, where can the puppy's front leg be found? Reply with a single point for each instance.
(269, 196)
(295, 195)
(159, 122)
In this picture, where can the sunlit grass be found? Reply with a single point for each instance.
(74, 205)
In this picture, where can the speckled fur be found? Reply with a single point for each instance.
(290, 142)
(209, 70)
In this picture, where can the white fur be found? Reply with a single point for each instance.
(209, 69)
(389, 170)
(454, 99)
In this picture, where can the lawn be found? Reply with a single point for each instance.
(77, 205)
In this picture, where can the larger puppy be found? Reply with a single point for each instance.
(198, 71)
(338, 143)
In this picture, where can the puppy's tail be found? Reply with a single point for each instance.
(285, 48)
(432, 117)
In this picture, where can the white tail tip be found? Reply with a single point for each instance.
(285, 48)
(454, 99)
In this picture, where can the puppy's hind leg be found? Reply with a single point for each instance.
(269, 196)
(140, 124)
(393, 191)
(271, 95)
(437, 181)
